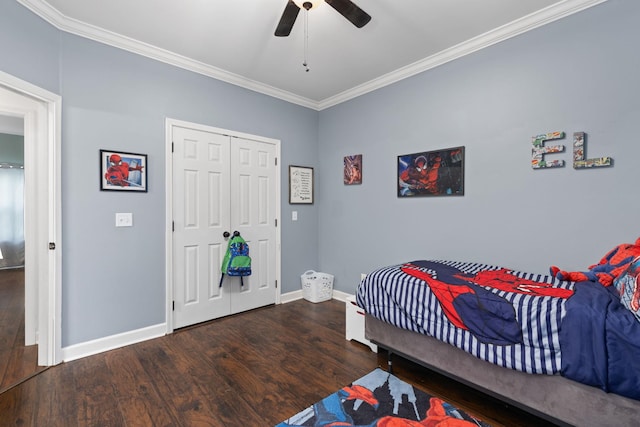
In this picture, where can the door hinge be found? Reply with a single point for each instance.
(173, 306)
(173, 226)
(52, 246)
(172, 147)
(276, 222)
(276, 284)
(276, 161)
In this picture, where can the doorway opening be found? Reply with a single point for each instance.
(39, 110)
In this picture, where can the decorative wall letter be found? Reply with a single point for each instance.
(539, 150)
(579, 161)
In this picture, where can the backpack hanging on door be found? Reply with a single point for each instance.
(236, 260)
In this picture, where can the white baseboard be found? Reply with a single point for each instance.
(100, 345)
(340, 296)
(290, 296)
(296, 295)
(112, 342)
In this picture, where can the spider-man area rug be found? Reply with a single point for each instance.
(380, 399)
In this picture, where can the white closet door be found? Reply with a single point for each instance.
(221, 184)
(253, 214)
(201, 186)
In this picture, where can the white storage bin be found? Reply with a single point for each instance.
(316, 286)
(355, 323)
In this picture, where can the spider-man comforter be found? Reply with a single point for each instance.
(523, 321)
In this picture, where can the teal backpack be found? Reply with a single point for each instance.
(236, 260)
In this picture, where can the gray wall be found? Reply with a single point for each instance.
(577, 74)
(28, 46)
(118, 101)
(113, 279)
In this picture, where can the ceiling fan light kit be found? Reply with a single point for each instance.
(307, 4)
(346, 8)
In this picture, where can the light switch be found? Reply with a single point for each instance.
(294, 215)
(124, 219)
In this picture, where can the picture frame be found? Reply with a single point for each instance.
(352, 170)
(123, 171)
(300, 185)
(431, 173)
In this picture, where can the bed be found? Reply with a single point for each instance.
(568, 351)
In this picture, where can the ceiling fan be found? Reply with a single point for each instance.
(346, 8)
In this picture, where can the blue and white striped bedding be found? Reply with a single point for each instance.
(492, 331)
(527, 322)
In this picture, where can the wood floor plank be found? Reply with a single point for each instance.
(94, 397)
(251, 369)
(59, 408)
(134, 391)
(236, 376)
(17, 361)
(173, 381)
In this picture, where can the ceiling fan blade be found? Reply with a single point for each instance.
(349, 10)
(287, 20)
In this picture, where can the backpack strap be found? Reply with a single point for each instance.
(241, 281)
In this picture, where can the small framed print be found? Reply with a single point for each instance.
(121, 171)
(352, 170)
(300, 185)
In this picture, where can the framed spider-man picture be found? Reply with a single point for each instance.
(121, 171)
(431, 173)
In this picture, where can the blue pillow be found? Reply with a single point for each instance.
(628, 287)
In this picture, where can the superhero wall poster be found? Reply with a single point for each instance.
(353, 169)
(120, 171)
(431, 173)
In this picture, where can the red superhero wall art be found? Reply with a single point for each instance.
(353, 169)
(122, 171)
(431, 173)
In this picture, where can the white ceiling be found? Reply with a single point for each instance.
(233, 40)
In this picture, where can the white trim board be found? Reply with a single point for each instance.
(90, 348)
(296, 295)
(497, 35)
(515, 28)
(100, 345)
(41, 113)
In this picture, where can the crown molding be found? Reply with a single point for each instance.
(537, 19)
(82, 29)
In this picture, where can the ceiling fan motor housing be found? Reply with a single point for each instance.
(307, 4)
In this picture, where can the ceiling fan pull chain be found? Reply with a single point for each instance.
(306, 40)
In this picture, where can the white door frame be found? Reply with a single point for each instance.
(43, 222)
(169, 124)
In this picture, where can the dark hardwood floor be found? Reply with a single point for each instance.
(17, 362)
(251, 369)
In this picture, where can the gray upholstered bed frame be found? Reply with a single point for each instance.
(552, 397)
